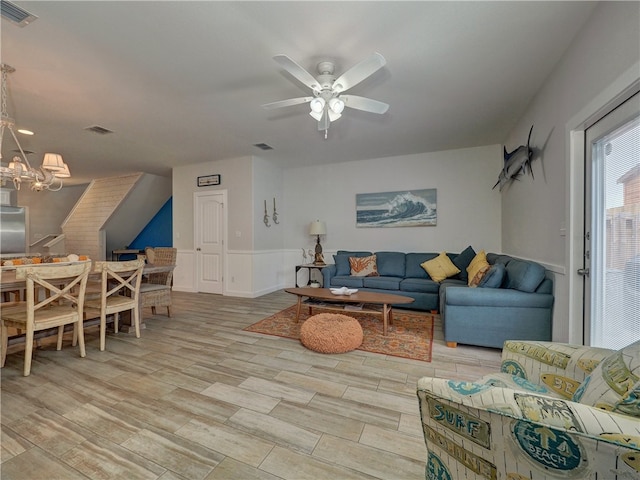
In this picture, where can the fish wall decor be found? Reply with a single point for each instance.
(516, 163)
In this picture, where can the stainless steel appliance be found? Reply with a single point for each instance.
(13, 229)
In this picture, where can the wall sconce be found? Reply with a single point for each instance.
(275, 214)
(266, 216)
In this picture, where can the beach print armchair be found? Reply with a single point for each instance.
(555, 411)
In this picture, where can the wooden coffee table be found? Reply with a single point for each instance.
(369, 301)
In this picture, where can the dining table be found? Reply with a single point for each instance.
(9, 283)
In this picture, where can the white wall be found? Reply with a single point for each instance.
(253, 251)
(535, 210)
(267, 185)
(236, 178)
(468, 209)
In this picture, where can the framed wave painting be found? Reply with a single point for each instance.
(410, 208)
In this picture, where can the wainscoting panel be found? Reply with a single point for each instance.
(248, 274)
(184, 275)
(238, 278)
(269, 271)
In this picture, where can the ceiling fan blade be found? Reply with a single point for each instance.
(359, 72)
(297, 71)
(287, 103)
(363, 103)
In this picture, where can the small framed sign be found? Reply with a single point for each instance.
(208, 180)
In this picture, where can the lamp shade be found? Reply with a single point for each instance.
(317, 228)
(63, 173)
(53, 162)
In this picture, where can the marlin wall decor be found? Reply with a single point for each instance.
(516, 163)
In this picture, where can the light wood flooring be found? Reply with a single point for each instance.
(198, 398)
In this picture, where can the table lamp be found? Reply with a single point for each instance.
(318, 228)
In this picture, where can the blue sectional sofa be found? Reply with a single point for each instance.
(519, 307)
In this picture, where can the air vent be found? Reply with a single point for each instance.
(99, 130)
(263, 146)
(15, 14)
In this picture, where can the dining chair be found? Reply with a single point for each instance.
(155, 291)
(63, 304)
(119, 292)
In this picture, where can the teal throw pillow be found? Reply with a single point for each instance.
(524, 275)
(493, 278)
(463, 260)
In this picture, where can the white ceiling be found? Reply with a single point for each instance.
(182, 82)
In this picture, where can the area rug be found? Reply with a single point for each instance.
(411, 335)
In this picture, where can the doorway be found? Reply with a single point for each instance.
(209, 234)
(611, 267)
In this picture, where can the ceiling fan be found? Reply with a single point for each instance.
(328, 101)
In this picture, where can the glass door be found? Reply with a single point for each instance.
(612, 228)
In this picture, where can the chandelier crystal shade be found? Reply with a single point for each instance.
(19, 170)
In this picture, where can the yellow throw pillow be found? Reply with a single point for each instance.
(440, 267)
(477, 268)
(363, 266)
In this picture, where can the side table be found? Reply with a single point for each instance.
(116, 254)
(309, 267)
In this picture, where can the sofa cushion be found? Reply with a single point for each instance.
(494, 258)
(440, 267)
(422, 285)
(413, 261)
(363, 266)
(614, 385)
(391, 264)
(384, 283)
(524, 275)
(346, 281)
(477, 268)
(494, 277)
(341, 259)
(463, 260)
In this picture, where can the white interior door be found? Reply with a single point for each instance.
(209, 235)
(612, 228)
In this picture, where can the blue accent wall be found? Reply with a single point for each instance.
(159, 231)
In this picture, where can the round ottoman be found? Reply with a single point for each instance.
(331, 333)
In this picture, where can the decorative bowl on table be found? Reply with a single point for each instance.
(343, 291)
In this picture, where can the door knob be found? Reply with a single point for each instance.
(583, 272)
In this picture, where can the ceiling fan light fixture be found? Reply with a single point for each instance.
(333, 116)
(317, 105)
(336, 105)
(326, 105)
(316, 115)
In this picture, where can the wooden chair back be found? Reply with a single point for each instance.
(62, 304)
(119, 292)
(65, 285)
(119, 278)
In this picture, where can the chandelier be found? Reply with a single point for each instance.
(53, 169)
